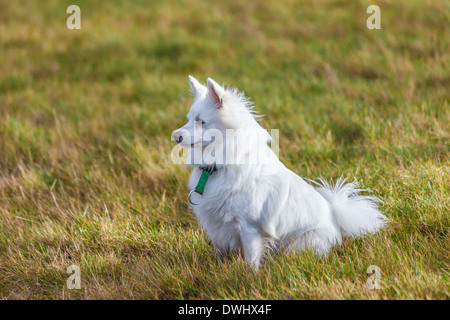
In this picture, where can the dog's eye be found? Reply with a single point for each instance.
(198, 119)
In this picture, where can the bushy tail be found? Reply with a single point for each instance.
(355, 214)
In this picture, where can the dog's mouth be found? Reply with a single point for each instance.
(201, 144)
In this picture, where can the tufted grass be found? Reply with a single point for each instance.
(86, 117)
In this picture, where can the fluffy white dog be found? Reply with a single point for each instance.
(247, 206)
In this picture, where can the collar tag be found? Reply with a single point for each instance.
(195, 196)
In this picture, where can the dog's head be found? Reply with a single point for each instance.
(205, 114)
(214, 109)
(221, 121)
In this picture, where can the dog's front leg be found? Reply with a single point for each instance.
(252, 245)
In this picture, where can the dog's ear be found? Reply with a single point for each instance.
(196, 87)
(216, 92)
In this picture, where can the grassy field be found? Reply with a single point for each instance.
(86, 117)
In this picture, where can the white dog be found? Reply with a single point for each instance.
(247, 206)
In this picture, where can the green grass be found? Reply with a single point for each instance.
(86, 119)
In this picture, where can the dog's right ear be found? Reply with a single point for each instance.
(196, 87)
(216, 92)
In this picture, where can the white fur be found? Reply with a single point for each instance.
(248, 208)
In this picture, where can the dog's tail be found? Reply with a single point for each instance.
(355, 214)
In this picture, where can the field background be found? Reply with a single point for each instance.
(85, 123)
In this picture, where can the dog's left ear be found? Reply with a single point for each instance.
(196, 87)
(216, 92)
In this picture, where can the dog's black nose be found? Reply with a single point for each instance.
(180, 138)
